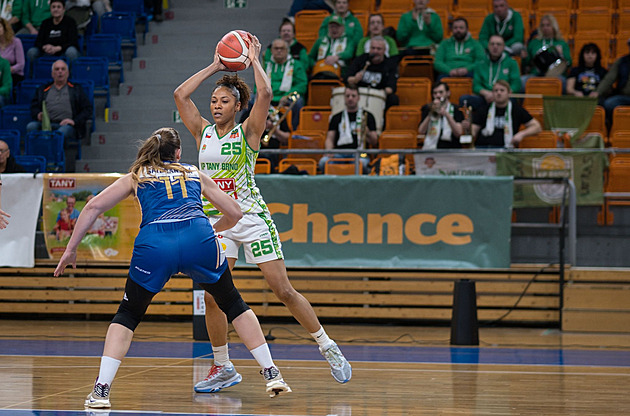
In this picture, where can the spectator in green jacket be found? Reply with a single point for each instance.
(419, 30)
(12, 12)
(6, 82)
(506, 23)
(457, 55)
(376, 24)
(354, 31)
(287, 76)
(334, 51)
(495, 65)
(548, 36)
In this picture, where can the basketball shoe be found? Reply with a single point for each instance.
(275, 384)
(99, 397)
(219, 377)
(340, 368)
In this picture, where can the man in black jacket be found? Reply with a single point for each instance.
(7, 162)
(67, 106)
(57, 36)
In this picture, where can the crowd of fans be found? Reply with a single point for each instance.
(499, 62)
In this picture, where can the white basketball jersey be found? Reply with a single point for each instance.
(230, 162)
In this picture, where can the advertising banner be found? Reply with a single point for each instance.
(110, 238)
(586, 169)
(391, 222)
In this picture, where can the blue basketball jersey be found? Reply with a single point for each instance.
(169, 195)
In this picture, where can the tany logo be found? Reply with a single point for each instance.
(62, 183)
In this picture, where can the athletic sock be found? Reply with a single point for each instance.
(263, 356)
(322, 338)
(107, 372)
(221, 355)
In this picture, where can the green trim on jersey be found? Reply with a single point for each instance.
(273, 233)
(230, 161)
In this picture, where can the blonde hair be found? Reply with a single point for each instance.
(8, 31)
(154, 151)
(557, 35)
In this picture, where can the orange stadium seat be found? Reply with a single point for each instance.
(555, 4)
(416, 67)
(392, 17)
(473, 5)
(595, 4)
(475, 18)
(402, 118)
(536, 112)
(397, 5)
(262, 166)
(307, 139)
(618, 181)
(620, 139)
(541, 85)
(367, 5)
(620, 119)
(320, 91)
(598, 122)
(309, 21)
(544, 140)
(593, 21)
(398, 139)
(458, 86)
(340, 166)
(314, 118)
(414, 92)
(305, 164)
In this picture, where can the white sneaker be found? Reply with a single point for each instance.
(275, 384)
(340, 368)
(99, 397)
(219, 377)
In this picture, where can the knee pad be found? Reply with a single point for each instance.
(133, 306)
(226, 296)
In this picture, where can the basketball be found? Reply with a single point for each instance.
(233, 49)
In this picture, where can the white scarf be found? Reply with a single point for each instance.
(504, 24)
(345, 133)
(420, 20)
(287, 76)
(508, 133)
(330, 47)
(438, 129)
(6, 11)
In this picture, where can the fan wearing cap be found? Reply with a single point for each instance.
(353, 28)
(612, 97)
(333, 52)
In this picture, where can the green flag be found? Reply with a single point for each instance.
(568, 115)
(45, 118)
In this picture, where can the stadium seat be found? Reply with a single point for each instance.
(25, 90)
(42, 67)
(307, 139)
(341, 166)
(621, 119)
(15, 116)
(543, 86)
(305, 164)
(320, 91)
(414, 92)
(109, 46)
(620, 139)
(136, 7)
(402, 118)
(618, 182)
(48, 144)
(314, 118)
(416, 67)
(124, 24)
(13, 139)
(543, 140)
(95, 69)
(458, 86)
(307, 22)
(32, 163)
(263, 166)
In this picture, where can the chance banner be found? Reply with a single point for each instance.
(391, 222)
(112, 235)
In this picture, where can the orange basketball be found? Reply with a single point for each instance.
(233, 49)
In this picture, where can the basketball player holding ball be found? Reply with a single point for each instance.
(227, 153)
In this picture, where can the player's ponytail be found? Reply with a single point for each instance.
(156, 150)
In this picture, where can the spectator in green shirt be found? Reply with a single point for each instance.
(376, 24)
(457, 55)
(353, 28)
(506, 23)
(419, 30)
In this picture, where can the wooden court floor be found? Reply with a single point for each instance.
(47, 368)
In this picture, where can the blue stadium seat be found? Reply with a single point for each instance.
(15, 116)
(25, 90)
(32, 163)
(42, 67)
(95, 69)
(48, 144)
(13, 139)
(136, 7)
(110, 46)
(124, 24)
(28, 41)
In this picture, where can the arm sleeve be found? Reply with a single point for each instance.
(371, 121)
(403, 32)
(36, 104)
(609, 79)
(477, 53)
(7, 80)
(486, 30)
(440, 59)
(436, 31)
(312, 55)
(72, 34)
(519, 31)
(477, 79)
(515, 77)
(323, 28)
(83, 105)
(392, 75)
(300, 80)
(20, 61)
